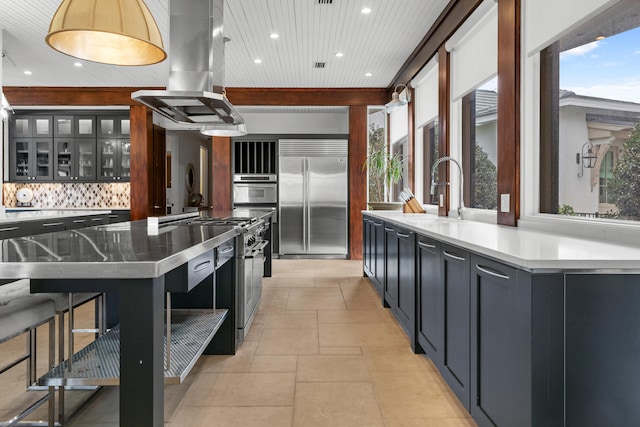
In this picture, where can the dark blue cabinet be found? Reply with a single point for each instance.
(373, 251)
(455, 366)
(500, 344)
(399, 284)
(430, 299)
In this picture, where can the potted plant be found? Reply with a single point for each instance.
(388, 170)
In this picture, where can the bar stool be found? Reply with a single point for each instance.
(20, 315)
(62, 302)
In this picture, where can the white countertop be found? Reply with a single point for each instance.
(526, 249)
(34, 215)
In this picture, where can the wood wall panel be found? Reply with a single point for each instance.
(509, 109)
(357, 177)
(158, 174)
(221, 169)
(141, 161)
(444, 114)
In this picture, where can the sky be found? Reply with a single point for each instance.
(609, 68)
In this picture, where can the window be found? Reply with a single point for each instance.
(479, 146)
(400, 149)
(429, 156)
(377, 140)
(590, 112)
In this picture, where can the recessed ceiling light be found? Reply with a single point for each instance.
(365, 10)
(27, 72)
(274, 35)
(77, 64)
(257, 61)
(368, 74)
(339, 54)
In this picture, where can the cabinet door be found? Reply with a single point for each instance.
(85, 163)
(367, 226)
(65, 158)
(124, 160)
(455, 364)
(63, 127)
(500, 345)
(43, 157)
(390, 297)
(378, 259)
(405, 311)
(108, 159)
(107, 126)
(21, 126)
(430, 297)
(124, 127)
(22, 164)
(84, 126)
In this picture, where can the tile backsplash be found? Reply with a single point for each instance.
(72, 195)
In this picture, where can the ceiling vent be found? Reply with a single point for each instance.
(319, 64)
(324, 1)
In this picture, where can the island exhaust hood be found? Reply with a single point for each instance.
(195, 93)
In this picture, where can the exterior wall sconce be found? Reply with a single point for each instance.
(398, 98)
(118, 32)
(586, 159)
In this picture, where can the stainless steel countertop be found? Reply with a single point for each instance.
(121, 250)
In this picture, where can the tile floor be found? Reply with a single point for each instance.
(322, 352)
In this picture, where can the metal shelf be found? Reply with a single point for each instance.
(99, 362)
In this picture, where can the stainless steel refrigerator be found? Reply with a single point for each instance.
(312, 201)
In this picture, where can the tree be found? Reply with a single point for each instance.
(625, 188)
(486, 181)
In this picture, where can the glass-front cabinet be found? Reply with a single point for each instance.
(75, 159)
(114, 159)
(113, 126)
(31, 159)
(32, 127)
(63, 146)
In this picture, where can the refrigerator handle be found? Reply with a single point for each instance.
(308, 204)
(305, 206)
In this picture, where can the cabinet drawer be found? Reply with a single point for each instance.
(189, 275)
(224, 253)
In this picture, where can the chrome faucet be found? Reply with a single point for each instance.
(433, 180)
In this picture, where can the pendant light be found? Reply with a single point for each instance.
(118, 32)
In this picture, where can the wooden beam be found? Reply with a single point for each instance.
(509, 110)
(357, 177)
(69, 96)
(221, 165)
(454, 14)
(141, 121)
(308, 96)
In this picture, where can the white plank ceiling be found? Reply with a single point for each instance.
(377, 43)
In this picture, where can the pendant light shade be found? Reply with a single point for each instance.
(119, 32)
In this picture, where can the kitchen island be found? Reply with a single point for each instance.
(527, 328)
(141, 264)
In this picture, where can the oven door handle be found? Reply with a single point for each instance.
(257, 249)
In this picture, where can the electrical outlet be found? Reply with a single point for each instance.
(442, 200)
(505, 202)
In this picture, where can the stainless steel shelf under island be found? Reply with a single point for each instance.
(141, 264)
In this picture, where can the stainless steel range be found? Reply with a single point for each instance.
(250, 267)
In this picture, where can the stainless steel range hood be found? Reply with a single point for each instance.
(194, 95)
